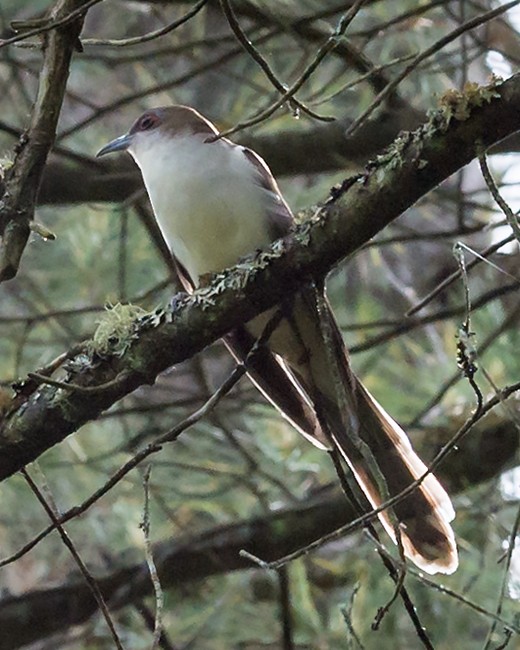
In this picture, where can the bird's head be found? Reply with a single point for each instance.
(158, 125)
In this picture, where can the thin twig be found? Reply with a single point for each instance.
(136, 40)
(491, 338)
(466, 351)
(87, 390)
(50, 25)
(510, 216)
(345, 386)
(396, 571)
(96, 592)
(289, 93)
(149, 620)
(346, 612)
(227, 9)
(399, 327)
(505, 578)
(145, 527)
(508, 625)
(493, 248)
(23, 178)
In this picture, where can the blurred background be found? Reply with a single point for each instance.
(242, 477)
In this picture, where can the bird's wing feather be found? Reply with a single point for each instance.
(272, 377)
(279, 215)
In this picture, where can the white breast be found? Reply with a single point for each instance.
(206, 199)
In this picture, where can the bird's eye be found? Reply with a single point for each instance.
(147, 122)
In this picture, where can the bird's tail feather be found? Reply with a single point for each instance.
(424, 515)
(298, 381)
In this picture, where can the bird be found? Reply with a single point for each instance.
(217, 201)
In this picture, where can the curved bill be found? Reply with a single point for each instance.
(119, 144)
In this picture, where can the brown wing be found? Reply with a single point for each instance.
(274, 381)
(279, 214)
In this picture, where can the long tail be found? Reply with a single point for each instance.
(295, 375)
(424, 515)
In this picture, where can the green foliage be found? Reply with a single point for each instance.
(241, 460)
